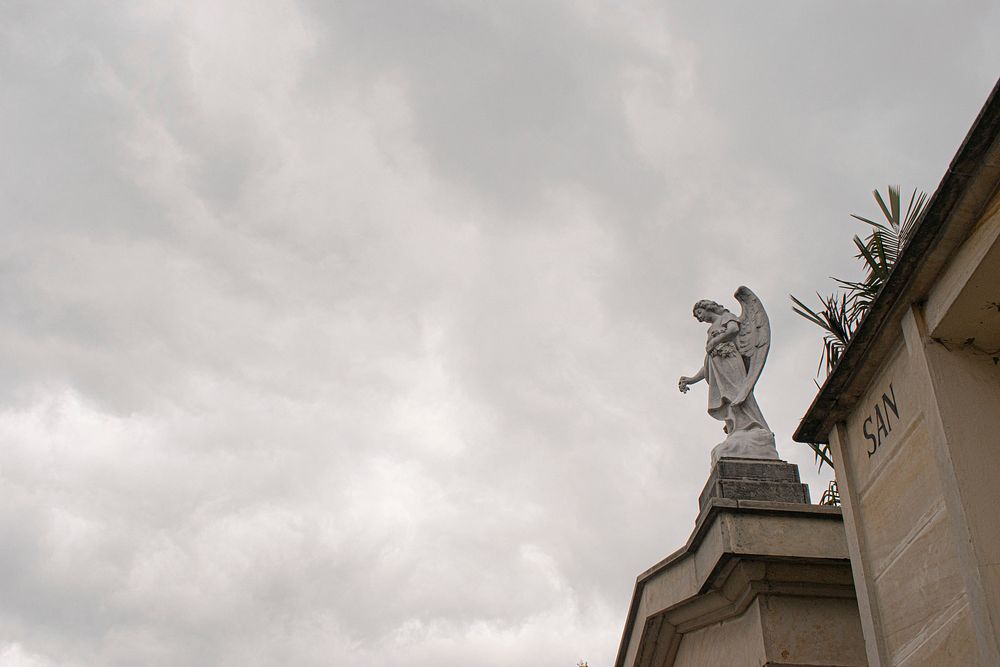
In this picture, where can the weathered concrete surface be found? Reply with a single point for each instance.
(739, 642)
(802, 631)
(754, 479)
(758, 583)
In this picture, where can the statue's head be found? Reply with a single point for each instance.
(706, 306)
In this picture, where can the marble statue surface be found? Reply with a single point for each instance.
(735, 353)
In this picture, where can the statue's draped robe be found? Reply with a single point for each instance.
(726, 375)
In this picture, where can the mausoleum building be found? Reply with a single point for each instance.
(912, 417)
(907, 571)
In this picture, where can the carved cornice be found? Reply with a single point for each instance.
(734, 555)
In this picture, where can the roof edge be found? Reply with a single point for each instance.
(925, 254)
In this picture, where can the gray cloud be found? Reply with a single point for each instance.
(349, 333)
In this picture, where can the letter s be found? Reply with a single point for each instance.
(869, 436)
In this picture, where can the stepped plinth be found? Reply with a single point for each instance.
(754, 479)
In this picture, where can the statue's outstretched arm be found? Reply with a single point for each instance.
(683, 383)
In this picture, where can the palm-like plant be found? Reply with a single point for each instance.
(882, 247)
(832, 494)
(837, 319)
(840, 316)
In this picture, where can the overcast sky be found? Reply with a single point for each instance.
(348, 333)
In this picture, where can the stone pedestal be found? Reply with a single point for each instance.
(754, 479)
(764, 581)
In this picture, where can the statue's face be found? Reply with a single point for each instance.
(700, 313)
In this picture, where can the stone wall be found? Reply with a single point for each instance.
(916, 462)
(764, 581)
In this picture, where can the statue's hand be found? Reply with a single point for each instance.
(683, 383)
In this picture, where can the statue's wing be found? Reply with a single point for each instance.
(754, 339)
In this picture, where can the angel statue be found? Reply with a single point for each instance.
(734, 357)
